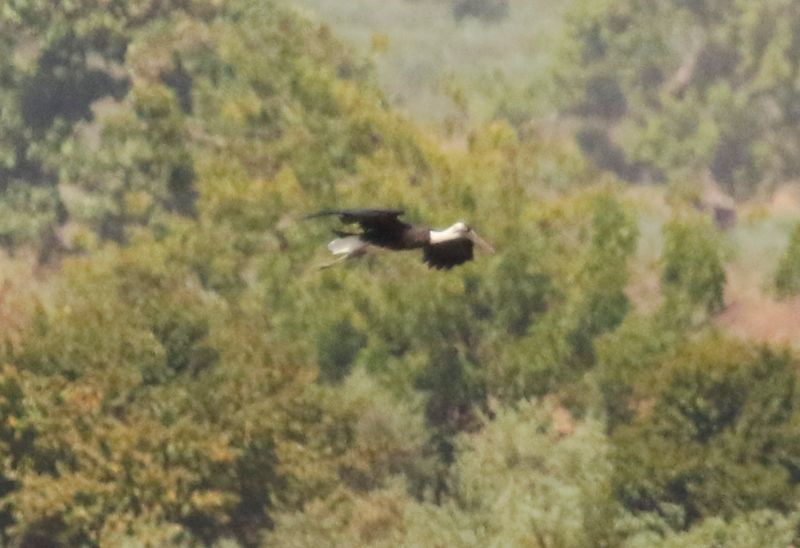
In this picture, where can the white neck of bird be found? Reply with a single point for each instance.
(439, 236)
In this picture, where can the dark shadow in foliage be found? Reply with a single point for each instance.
(51, 246)
(603, 313)
(250, 517)
(519, 296)
(453, 389)
(490, 11)
(715, 62)
(337, 348)
(651, 77)
(184, 342)
(604, 98)
(182, 192)
(181, 83)
(604, 153)
(64, 86)
(732, 157)
(594, 46)
(43, 535)
(452, 393)
(25, 168)
(604, 304)
(637, 347)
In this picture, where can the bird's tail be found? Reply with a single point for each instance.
(347, 245)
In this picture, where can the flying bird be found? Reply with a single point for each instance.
(441, 249)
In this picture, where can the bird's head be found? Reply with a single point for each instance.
(460, 228)
(463, 230)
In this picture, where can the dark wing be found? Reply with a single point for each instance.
(363, 217)
(448, 254)
(380, 227)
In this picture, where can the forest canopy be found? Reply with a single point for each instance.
(666, 90)
(176, 370)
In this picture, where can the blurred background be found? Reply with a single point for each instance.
(175, 370)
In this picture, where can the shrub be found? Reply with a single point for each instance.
(692, 264)
(787, 276)
(715, 434)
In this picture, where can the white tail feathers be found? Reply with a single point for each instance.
(348, 245)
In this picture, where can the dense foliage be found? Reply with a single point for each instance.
(787, 276)
(189, 377)
(667, 90)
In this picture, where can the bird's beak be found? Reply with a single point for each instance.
(483, 244)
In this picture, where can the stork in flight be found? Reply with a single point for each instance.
(441, 249)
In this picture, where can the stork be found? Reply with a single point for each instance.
(441, 249)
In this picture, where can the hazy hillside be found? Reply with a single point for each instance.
(440, 67)
(176, 369)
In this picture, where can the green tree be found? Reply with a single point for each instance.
(787, 276)
(520, 481)
(56, 63)
(673, 89)
(191, 377)
(692, 265)
(713, 435)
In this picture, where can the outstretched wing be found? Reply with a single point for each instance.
(381, 227)
(364, 217)
(448, 254)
